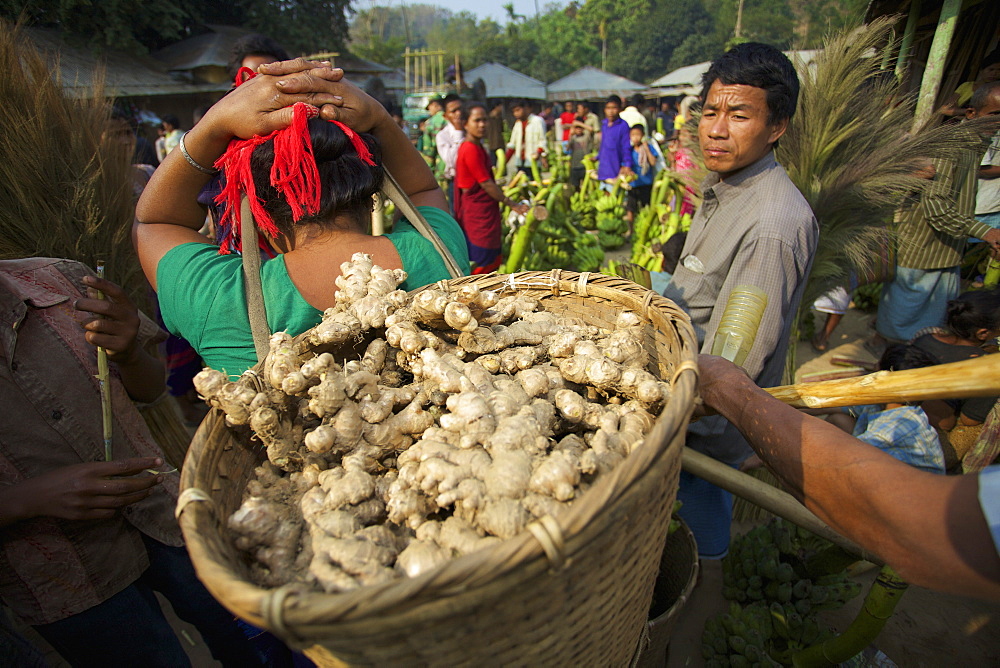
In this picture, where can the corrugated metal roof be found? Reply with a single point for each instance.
(126, 75)
(589, 83)
(211, 49)
(502, 81)
(690, 75)
(354, 65)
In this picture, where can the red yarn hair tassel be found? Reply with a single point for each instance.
(294, 173)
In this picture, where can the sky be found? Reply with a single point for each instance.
(481, 8)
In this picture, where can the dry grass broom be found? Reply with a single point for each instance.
(66, 185)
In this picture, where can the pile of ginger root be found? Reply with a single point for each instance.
(469, 416)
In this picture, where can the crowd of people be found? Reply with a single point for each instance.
(86, 542)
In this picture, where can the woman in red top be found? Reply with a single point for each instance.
(477, 195)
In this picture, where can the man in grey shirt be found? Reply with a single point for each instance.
(754, 228)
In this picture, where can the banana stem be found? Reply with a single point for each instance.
(882, 598)
(519, 245)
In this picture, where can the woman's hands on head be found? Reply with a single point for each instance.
(263, 104)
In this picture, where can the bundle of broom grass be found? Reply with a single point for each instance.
(65, 174)
(67, 188)
(849, 151)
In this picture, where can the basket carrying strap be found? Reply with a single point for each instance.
(251, 261)
(251, 281)
(391, 189)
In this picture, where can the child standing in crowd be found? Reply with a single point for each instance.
(645, 159)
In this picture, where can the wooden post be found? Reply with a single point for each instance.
(911, 29)
(406, 71)
(936, 61)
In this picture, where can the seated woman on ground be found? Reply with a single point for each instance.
(310, 182)
(902, 430)
(973, 322)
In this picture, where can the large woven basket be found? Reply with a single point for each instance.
(572, 591)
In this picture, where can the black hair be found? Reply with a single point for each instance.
(991, 58)
(450, 97)
(200, 112)
(614, 98)
(902, 356)
(346, 183)
(639, 127)
(465, 111)
(636, 100)
(972, 311)
(254, 44)
(121, 112)
(172, 120)
(761, 66)
(518, 103)
(981, 96)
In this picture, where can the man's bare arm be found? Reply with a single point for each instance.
(929, 527)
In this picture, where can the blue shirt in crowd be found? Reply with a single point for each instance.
(616, 149)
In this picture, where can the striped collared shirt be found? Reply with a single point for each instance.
(933, 230)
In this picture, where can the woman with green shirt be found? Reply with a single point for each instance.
(201, 292)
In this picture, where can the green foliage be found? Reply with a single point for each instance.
(130, 26)
(645, 38)
(644, 54)
(696, 48)
(301, 26)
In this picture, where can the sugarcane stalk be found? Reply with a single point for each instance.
(878, 607)
(104, 383)
(977, 377)
(536, 174)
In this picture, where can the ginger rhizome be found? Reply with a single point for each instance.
(468, 416)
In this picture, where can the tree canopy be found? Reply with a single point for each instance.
(639, 39)
(644, 39)
(301, 26)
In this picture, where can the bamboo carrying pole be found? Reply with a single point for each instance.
(767, 497)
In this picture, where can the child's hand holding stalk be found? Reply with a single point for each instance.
(115, 328)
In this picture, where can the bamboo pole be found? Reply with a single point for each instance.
(911, 29)
(936, 61)
(977, 377)
(767, 497)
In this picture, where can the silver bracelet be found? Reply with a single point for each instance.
(191, 161)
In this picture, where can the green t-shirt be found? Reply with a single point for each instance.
(202, 298)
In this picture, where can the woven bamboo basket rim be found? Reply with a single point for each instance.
(297, 614)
